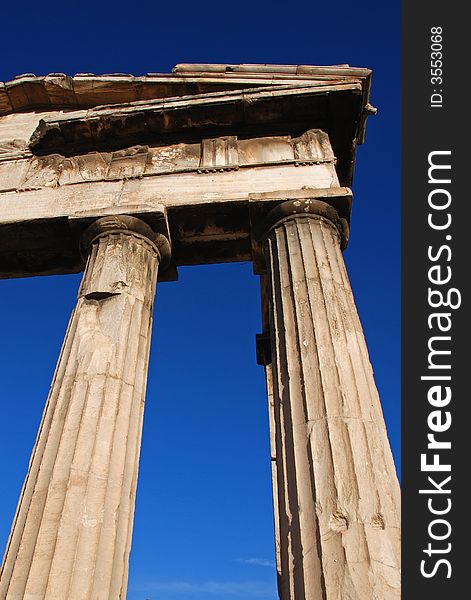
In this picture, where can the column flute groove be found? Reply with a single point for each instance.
(337, 491)
(71, 535)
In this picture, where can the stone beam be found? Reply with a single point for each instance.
(202, 232)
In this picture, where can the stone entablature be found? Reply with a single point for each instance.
(29, 91)
(210, 155)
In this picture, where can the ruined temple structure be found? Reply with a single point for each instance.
(127, 178)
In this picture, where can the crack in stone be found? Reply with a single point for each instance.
(100, 295)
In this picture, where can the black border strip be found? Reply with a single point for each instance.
(431, 124)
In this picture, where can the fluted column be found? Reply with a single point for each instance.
(71, 535)
(336, 486)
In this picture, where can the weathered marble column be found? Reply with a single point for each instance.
(336, 486)
(71, 535)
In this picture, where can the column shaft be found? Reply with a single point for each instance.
(72, 530)
(337, 490)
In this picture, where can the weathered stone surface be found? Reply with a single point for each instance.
(201, 155)
(210, 155)
(19, 127)
(71, 534)
(54, 170)
(128, 143)
(87, 89)
(273, 110)
(210, 189)
(335, 485)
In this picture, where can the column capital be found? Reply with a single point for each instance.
(311, 208)
(125, 224)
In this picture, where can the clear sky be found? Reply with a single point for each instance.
(204, 525)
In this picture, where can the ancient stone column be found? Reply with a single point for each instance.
(336, 486)
(71, 535)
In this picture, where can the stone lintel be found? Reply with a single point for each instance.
(201, 233)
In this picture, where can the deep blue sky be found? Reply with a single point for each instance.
(203, 526)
